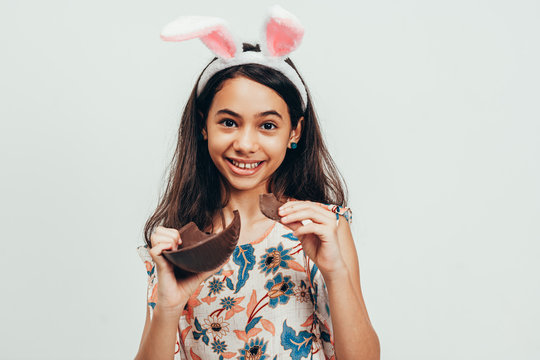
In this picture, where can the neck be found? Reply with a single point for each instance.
(247, 204)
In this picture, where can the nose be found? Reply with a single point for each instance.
(246, 141)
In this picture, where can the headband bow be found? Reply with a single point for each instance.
(283, 33)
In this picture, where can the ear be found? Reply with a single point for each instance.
(204, 134)
(213, 32)
(284, 32)
(296, 133)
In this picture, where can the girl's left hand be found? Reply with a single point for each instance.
(319, 238)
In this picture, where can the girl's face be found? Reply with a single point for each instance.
(248, 129)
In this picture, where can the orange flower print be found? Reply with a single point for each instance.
(254, 350)
(274, 258)
(217, 326)
(302, 293)
(280, 288)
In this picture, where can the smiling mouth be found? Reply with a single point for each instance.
(247, 166)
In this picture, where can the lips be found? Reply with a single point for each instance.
(244, 167)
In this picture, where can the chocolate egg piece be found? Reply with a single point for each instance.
(200, 251)
(269, 206)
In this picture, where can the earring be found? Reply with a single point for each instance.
(293, 145)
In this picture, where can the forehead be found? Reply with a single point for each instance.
(247, 97)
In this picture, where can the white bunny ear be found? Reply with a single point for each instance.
(284, 32)
(213, 32)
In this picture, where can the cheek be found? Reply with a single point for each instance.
(277, 148)
(215, 149)
(216, 142)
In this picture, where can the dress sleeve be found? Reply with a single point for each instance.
(151, 290)
(321, 303)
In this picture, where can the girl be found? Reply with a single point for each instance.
(291, 288)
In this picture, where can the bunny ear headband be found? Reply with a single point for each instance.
(282, 35)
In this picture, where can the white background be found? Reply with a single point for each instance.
(430, 108)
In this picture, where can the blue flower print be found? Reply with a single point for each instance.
(219, 346)
(254, 350)
(290, 236)
(200, 332)
(228, 302)
(299, 344)
(243, 257)
(279, 289)
(215, 286)
(274, 258)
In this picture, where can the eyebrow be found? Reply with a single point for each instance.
(261, 114)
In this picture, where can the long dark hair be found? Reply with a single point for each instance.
(306, 173)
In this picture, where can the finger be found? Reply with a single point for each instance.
(167, 240)
(159, 247)
(171, 244)
(174, 246)
(301, 204)
(294, 225)
(170, 231)
(159, 238)
(312, 228)
(292, 204)
(157, 254)
(326, 218)
(283, 211)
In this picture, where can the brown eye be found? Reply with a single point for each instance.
(228, 123)
(268, 126)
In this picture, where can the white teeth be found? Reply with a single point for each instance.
(245, 165)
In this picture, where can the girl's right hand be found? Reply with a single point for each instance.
(172, 294)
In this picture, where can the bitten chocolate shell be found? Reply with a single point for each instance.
(269, 206)
(200, 251)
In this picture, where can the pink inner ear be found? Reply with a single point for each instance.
(220, 42)
(282, 36)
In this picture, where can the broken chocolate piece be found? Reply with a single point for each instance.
(269, 206)
(200, 251)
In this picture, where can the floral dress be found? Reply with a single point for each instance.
(269, 301)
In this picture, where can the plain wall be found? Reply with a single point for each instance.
(430, 109)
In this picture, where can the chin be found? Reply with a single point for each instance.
(246, 185)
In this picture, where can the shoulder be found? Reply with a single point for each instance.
(149, 263)
(142, 250)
